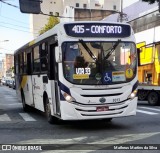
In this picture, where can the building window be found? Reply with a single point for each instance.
(57, 14)
(114, 7)
(51, 13)
(77, 4)
(84, 5)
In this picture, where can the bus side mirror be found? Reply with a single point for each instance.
(138, 54)
(58, 54)
(30, 6)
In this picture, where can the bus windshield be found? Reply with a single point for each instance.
(92, 63)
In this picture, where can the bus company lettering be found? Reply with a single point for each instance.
(106, 29)
(99, 29)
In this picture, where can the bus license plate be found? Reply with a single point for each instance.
(102, 108)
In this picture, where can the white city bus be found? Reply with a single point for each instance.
(79, 71)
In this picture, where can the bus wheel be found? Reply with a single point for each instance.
(25, 107)
(49, 117)
(153, 98)
(107, 119)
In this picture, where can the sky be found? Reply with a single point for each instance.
(128, 2)
(14, 26)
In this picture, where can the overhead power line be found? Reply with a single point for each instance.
(112, 11)
(58, 15)
(16, 29)
(13, 19)
(9, 4)
(17, 25)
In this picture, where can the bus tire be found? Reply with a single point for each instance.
(153, 98)
(107, 119)
(25, 107)
(51, 119)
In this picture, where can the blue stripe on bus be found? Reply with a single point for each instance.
(63, 88)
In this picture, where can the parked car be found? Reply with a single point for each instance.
(3, 81)
(7, 82)
(10, 83)
(13, 84)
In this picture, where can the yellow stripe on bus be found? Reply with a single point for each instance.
(31, 43)
(23, 82)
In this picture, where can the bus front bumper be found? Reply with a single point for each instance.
(73, 111)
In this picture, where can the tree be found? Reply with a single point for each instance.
(52, 21)
(153, 1)
(12, 69)
(150, 1)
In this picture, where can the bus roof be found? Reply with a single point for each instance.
(67, 28)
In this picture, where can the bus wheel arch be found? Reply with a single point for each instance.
(47, 109)
(142, 94)
(24, 105)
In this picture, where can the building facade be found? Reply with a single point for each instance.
(86, 9)
(7, 65)
(1, 70)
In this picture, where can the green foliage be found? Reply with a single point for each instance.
(52, 21)
(150, 1)
(12, 69)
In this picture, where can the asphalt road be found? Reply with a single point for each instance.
(140, 133)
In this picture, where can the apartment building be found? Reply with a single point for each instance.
(7, 64)
(77, 9)
(1, 73)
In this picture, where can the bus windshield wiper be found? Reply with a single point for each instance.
(112, 49)
(88, 50)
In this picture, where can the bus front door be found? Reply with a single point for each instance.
(28, 91)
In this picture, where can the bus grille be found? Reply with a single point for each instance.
(102, 95)
(89, 110)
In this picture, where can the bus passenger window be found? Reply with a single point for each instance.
(36, 66)
(21, 63)
(36, 62)
(44, 64)
(44, 57)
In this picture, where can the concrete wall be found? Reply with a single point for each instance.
(65, 8)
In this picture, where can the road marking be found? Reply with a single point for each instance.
(11, 97)
(154, 109)
(6, 104)
(103, 142)
(26, 117)
(146, 112)
(4, 117)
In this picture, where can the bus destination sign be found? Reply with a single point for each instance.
(97, 30)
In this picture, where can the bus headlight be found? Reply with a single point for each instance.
(133, 94)
(68, 97)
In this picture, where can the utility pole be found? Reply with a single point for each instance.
(121, 13)
(159, 6)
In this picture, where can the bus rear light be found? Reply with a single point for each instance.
(133, 94)
(68, 98)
